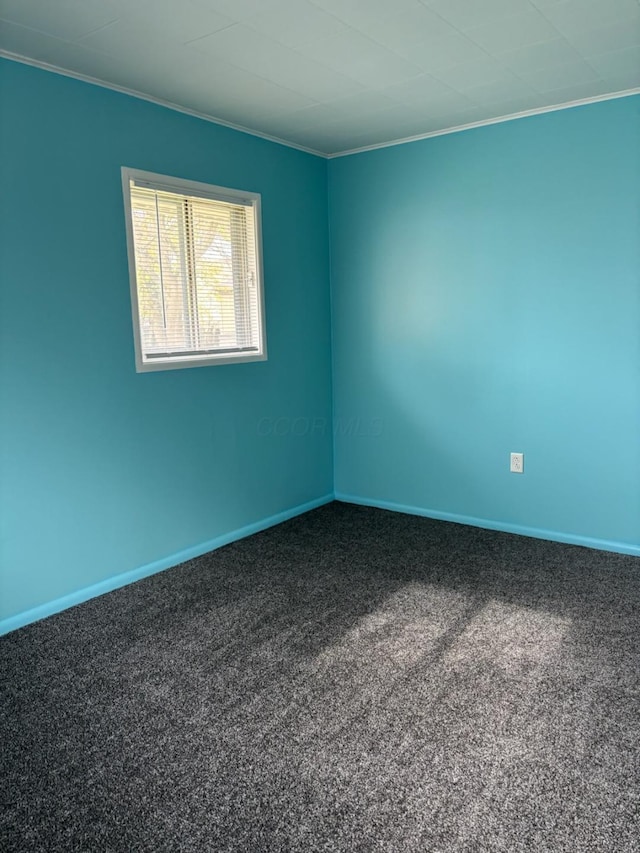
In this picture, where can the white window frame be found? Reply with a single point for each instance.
(201, 190)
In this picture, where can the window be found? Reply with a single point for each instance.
(195, 267)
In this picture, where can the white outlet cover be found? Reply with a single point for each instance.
(517, 463)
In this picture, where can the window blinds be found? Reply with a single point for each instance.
(196, 275)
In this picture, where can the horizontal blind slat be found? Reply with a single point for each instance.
(196, 273)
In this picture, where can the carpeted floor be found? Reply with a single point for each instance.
(352, 680)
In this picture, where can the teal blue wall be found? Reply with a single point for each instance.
(104, 470)
(486, 299)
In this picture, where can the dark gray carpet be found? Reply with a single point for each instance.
(352, 680)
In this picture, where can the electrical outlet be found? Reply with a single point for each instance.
(517, 463)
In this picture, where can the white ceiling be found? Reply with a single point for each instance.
(334, 75)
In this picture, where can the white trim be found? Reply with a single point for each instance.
(133, 276)
(170, 105)
(134, 93)
(184, 187)
(257, 207)
(197, 189)
(485, 122)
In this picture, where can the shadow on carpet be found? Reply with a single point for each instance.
(351, 680)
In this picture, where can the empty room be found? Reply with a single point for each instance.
(320, 426)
